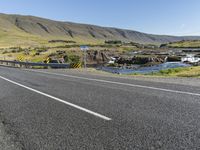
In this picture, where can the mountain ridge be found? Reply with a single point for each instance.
(31, 29)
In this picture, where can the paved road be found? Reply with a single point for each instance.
(62, 110)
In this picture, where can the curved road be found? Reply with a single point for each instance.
(62, 110)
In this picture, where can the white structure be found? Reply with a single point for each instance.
(190, 58)
(112, 61)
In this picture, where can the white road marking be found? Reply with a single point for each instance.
(118, 83)
(58, 99)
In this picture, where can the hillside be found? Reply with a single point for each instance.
(17, 30)
(185, 44)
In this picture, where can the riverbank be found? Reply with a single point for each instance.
(182, 72)
(179, 72)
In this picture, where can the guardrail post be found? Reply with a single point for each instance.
(13, 64)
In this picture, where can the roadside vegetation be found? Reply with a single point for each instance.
(179, 72)
(72, 48)
(183, 44)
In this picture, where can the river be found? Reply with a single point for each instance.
(145, 70)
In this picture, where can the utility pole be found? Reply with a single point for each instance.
(85, 59)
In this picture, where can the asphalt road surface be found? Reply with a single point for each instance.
(63, 110)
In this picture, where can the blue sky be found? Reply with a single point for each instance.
(174, 17)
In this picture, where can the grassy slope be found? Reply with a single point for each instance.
(180, 72)
(17, 30)
(12, 36)
(186, 44)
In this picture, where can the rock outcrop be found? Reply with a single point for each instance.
(141, 60)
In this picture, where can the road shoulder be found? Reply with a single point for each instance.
(171, 80)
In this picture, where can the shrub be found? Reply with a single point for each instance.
(37, 53)
(113, 42)
(74, 58)
(13, 51)
(66, 58)
(5, 52)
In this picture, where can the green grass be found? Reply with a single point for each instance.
(15, 38)
(179, 72)
(185, 44)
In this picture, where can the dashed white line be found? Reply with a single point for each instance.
(58, 99)
(118, 83)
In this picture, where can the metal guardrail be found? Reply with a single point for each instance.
(31, 64)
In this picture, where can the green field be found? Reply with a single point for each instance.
(185, 44)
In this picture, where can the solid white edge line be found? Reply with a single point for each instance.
(119, 83)
(58, 99)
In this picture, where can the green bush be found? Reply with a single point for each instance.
(74, 58)
(13, 51)
(5, 52)
(113, 42)
(66, 58)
